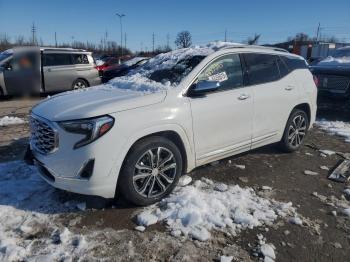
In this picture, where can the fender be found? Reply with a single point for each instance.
(189, 147)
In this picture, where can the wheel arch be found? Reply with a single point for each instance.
(306, 108)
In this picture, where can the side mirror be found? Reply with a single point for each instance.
(203, 87)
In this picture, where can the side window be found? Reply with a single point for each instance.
(24, 61)
(282, 67)
(226, 70)
(262, 68)
(80, 59)
(294, 63)
(57, 59)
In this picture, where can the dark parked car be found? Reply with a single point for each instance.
(106, 62)
(333, 75)
(123, 69)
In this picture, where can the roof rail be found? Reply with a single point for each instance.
(62, 49)
(258, 47)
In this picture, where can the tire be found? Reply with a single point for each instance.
(79, 84)
(295, 131)
(137, 177)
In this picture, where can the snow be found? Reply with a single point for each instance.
(240, 166)
(226, 258)
(310, 173)
(184, 180)
(335, 128)
(347, 191)
(197, 209)
(29, 212)
(11, 120)
(324, 168)
(268, 252)
(99, 62)
(296, 221)
(138, 80)
(140, 228)
(335, 60)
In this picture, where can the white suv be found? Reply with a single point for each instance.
(138, 134)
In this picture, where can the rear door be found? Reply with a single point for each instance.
(85, 67)
(275, 95)
(58, 70)
(22, 73)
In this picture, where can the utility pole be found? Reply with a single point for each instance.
(121, 31)
(55, 39)
(225, 35)
(141, 44)
(125, 41)
(168, 41)
(318, 32)
(152, 42)
(33, 34)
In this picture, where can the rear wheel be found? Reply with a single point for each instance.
(79, 84)
(295, 131)
(150, 171)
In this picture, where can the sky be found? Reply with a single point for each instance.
(206, 20)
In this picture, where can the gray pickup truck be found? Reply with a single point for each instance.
(32, 70)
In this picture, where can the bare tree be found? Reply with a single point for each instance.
(183, 39)
(253, 40)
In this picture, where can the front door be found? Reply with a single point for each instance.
(22, 73)
(222, 120)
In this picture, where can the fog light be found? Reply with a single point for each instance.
(88, 169)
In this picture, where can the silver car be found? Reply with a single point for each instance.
(28, 70)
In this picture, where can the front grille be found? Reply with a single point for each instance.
(333, 82)
(44, 138)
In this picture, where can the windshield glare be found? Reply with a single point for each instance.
(178, 72)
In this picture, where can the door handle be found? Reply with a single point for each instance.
(289, 88)
(243, 97)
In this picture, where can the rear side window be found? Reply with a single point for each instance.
(262, 68)
(294, 63)
(80, 59)
(57, 59)
(282, 67)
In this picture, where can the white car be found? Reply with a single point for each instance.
(138, 134)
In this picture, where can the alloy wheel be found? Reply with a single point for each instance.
(154, 172)
(79, 85)
(297, 131)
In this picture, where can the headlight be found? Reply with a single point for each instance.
(92, 128)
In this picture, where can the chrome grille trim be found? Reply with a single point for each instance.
(334, 82)
(44, 137)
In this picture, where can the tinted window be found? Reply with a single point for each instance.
(262, 68)
(294, 62)
(226, 70)
(80, 59)
(24, 61)
(282, 67)
(57, 59)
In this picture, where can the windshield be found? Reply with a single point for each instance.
(342, 53)
(5, 55)
(174, 75)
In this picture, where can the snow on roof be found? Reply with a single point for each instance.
(138, 79)
(134, 60)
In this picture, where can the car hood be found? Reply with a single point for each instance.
(93, 102)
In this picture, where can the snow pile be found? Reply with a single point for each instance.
(335, 60)
(11, 120)
(197, 209)
(336, 128)
(29, 209)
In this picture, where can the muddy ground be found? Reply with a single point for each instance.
(324, 237)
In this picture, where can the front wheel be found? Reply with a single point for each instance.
(150, 171)
(295, 131)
